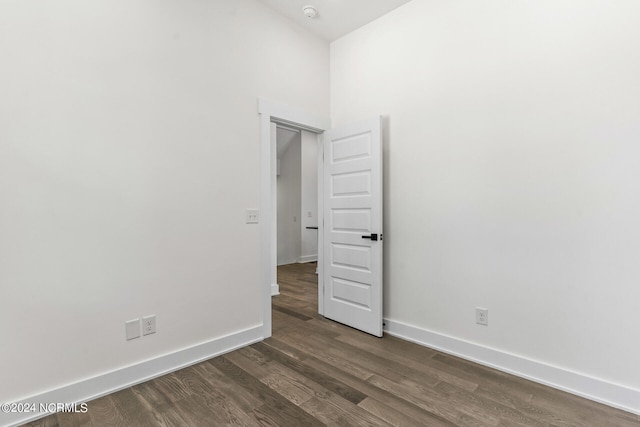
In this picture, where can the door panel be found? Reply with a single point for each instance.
(352, 271)
(352, 147)
(353, 293)
(350, 220)
(350, 256)
(351, 184)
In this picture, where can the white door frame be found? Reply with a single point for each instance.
(274, 112)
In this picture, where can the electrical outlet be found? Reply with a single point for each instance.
(149, 325)
(482, 316)
(132, 329)
(252, 216)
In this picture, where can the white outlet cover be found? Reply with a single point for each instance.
(148, 325)
(482, 316)
(132, 329)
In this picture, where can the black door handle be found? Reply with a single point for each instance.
(373, 237)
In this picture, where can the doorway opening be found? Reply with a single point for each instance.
(297, 195)
(349, 187)
(272, 114)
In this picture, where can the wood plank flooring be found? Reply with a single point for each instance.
(315, 372)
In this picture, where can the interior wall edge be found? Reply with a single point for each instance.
(113, 381)
(598, 390)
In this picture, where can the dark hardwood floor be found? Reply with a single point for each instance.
(316, 372)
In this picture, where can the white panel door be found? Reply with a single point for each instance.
(352, 232)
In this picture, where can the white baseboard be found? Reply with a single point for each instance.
(275, 289)
(110, 382)
(307, 258)
(601, 391)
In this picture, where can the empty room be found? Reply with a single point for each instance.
(476, 258)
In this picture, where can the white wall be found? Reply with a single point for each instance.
(309, 197)
(289, 202)
(511, 173)
(129, 150)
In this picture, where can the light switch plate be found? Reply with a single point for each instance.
(252, 216)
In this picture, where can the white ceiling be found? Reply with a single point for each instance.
(335, 17)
